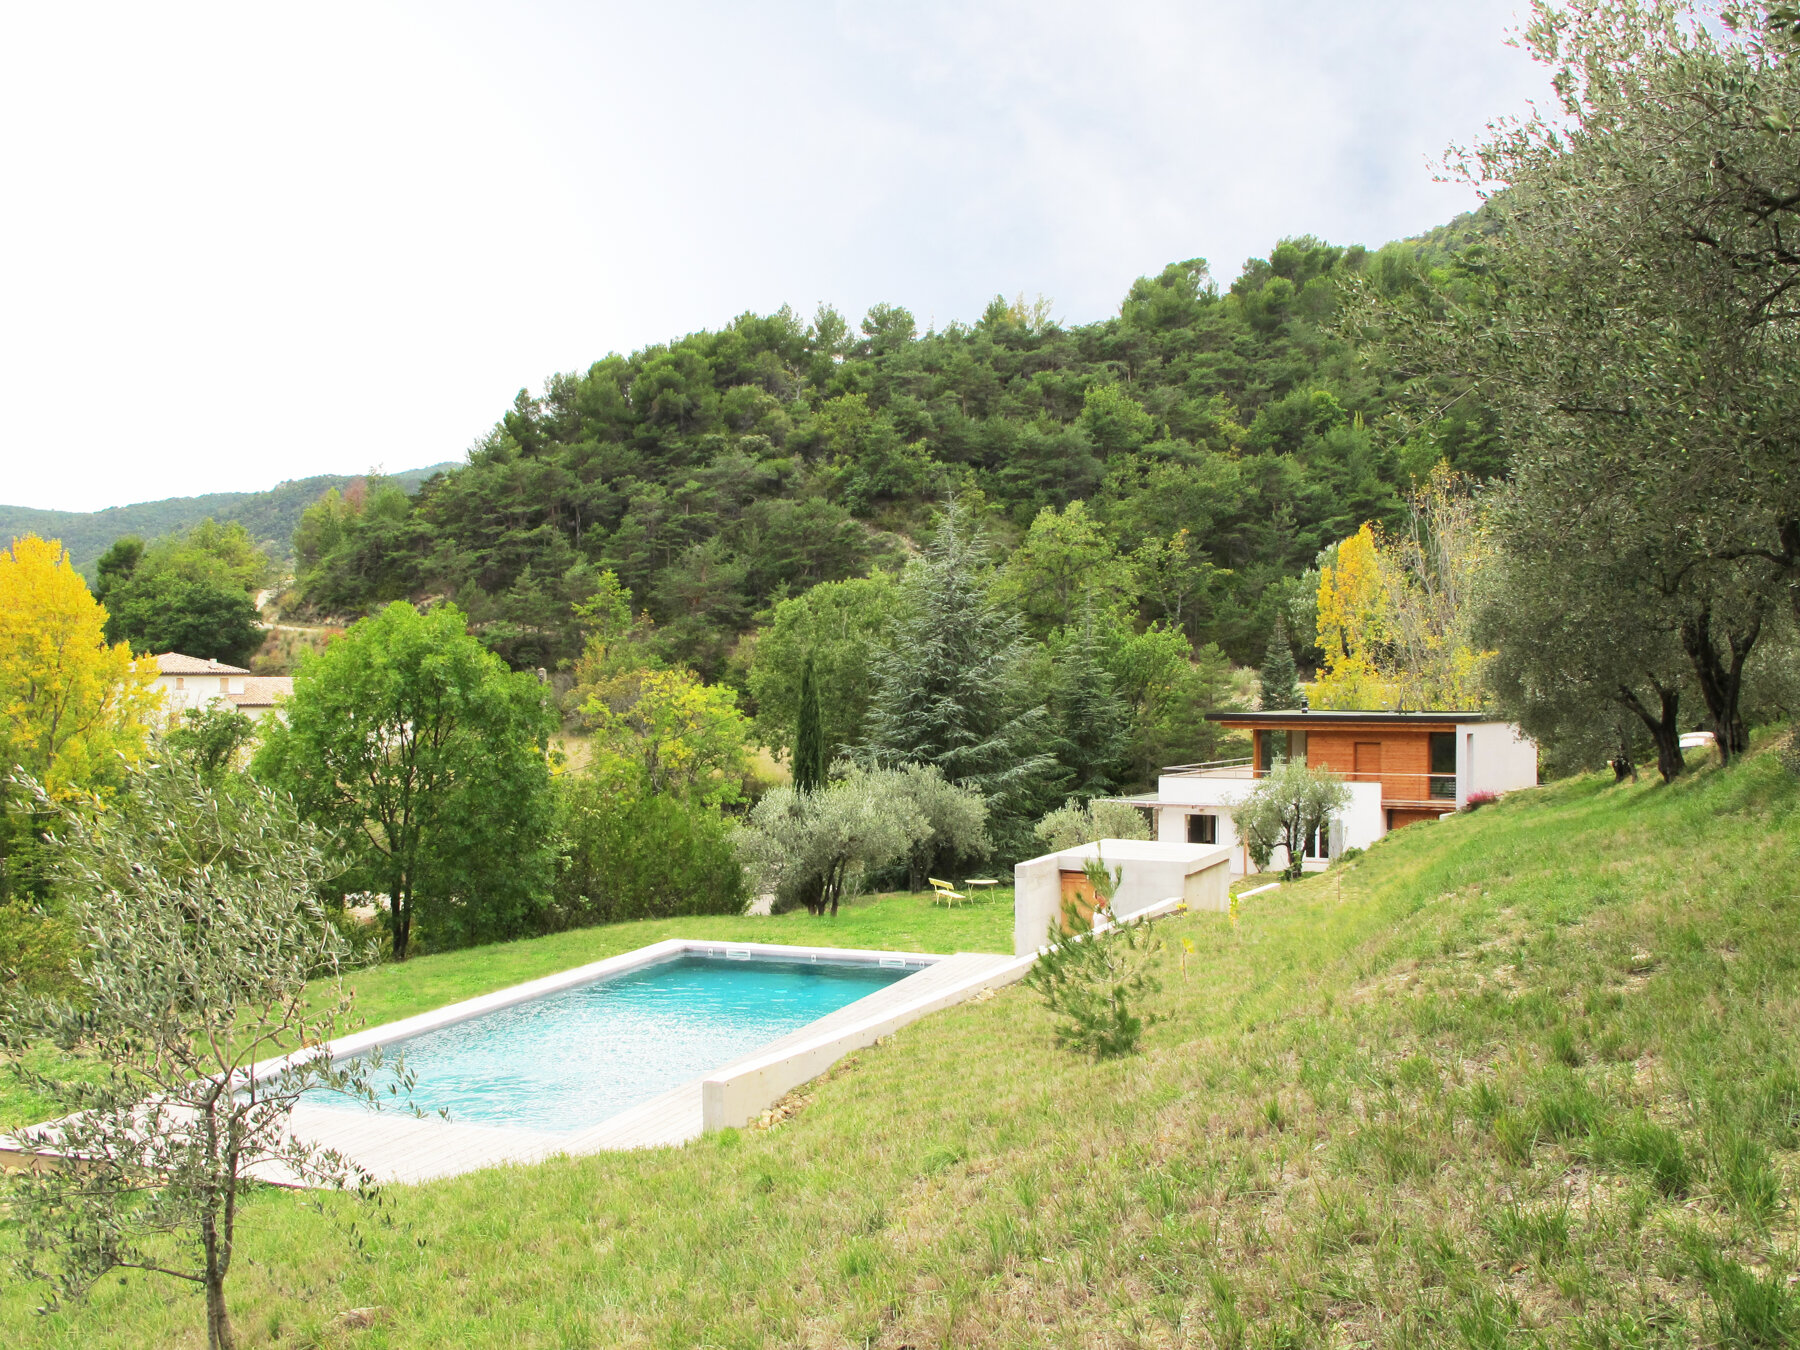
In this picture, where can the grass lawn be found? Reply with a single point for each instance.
(893, 922)
(1530, 1076)
(896, 921)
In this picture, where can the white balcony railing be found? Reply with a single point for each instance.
(1409, 787)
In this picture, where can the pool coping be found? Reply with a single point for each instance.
(395, 1147)
(406, 1028)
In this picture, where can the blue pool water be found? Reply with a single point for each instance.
(573, 1058)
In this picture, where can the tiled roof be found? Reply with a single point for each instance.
(174, 663)
(261, 691)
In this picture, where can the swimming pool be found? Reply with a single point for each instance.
(576, 1056)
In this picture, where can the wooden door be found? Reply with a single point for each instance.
(1077, 894)
(1368, 762)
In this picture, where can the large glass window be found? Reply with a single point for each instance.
(1274, 746)
(1203, 829)
(1443, 764)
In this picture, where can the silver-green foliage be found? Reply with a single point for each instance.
(1287, 806)
(955, 817)
(1075, 823)
(811, 848)
(200, 928)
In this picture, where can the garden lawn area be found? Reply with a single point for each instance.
(1524, 1077)
(895, 921)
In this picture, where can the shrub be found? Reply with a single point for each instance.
(1476, 800)
(628, 854)
(1094, 982)
(814, 848)
(38, 947)
(1075, 823)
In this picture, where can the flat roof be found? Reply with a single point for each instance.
(1295, 717)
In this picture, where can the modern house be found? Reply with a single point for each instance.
(1400, 767)
(196, 682)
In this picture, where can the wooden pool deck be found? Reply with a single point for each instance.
(397, 1148)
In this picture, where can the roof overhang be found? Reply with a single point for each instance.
(1287, 717)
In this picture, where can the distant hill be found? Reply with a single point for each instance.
(269, 516)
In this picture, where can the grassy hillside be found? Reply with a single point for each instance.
(1524, 1077)
(270, 516)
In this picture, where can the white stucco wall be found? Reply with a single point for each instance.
(1151, 871)
(1493, 757)
(196, 691)
(1360, 824)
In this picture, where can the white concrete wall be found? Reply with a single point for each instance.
(1360, 824)
(1493, 757)
(1152, 871)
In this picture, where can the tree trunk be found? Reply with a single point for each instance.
(1721, 679)
(1664, 726)
(1625, 763)
(401, 904)
(219, 1334)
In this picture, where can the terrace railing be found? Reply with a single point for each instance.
(1409, 787)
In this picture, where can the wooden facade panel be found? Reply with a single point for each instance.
(1405, 755)
(1400, 819)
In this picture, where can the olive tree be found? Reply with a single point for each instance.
(201, 930)
(1076, 822)
(955, 820)
(811, 848)
(1632, 324)
(1286, 808)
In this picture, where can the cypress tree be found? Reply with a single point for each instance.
(1280, 681)
(809, 736)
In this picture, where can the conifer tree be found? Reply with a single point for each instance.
(946, 691)
(809, 734)
(1280, 681)
(1090, 715)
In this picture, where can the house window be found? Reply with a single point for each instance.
(224, 684)
(1318, 844)
(181, 682)
(1443, 764)
(1273, 745)
(1203, 829)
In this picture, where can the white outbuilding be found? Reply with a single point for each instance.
(1150, 871)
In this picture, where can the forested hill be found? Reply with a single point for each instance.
(1220, 440)
(270, 517)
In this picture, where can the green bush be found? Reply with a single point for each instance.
(37, 946)
(627, 854)
(1095, 983)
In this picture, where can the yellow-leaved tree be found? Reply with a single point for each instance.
(73, 708)
(679, 735)
(1350, 627)
(1428, 574)
(1396, 611)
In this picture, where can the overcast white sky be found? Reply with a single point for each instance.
(242, 243)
